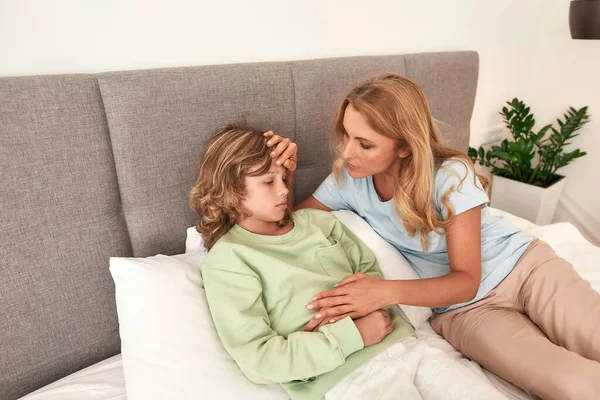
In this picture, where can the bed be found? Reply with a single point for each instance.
(105, 380)
(98, 166)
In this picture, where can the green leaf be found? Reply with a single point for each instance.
(503, 155)
(514, 146)
(543, 131)
(472, 153)
(529, 147)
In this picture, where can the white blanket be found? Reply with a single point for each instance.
(414, 370)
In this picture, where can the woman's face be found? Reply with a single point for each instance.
(367, 152)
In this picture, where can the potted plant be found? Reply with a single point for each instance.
(523, 184)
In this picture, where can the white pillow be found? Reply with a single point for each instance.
(392, 262)
(194, 242)
(169, 345)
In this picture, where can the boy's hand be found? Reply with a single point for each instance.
(286, 151)
(374, 327)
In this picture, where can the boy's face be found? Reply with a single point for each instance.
(265, 199)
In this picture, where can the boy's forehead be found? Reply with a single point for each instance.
(273, 169)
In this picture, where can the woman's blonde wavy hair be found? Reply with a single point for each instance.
(225, 163)
(395, 107)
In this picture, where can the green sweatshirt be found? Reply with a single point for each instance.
(258, 288)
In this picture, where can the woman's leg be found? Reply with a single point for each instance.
(510, 345)
(562, 304)
(496, 334)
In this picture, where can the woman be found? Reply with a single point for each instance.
(501, 297)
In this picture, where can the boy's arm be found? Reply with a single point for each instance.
(243, 324)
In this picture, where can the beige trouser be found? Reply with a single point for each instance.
(539, 328)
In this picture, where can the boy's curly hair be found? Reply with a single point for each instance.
(225, 162)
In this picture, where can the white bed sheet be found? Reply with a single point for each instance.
(105, 380)
(101, 381)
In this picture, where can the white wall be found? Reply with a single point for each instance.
(564, 73)
(62, 36)
(517, 57)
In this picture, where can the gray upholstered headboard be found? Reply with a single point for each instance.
(94, 166)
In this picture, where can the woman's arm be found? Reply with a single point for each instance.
(311, 202)
(463, 240)
(364, 294)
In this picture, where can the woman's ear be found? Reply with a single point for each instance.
(403, 151)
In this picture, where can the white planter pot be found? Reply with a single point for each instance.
(527, 201)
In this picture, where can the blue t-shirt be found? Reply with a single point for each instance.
(502, 243)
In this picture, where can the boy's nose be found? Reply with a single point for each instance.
(283, 191)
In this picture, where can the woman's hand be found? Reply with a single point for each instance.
(285, 151)
(354, 297)
(315, 323)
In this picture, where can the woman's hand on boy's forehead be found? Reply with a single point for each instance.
(285, 150)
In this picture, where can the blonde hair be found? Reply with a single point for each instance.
(225, 163)
(395, 107)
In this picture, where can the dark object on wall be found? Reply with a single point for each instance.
(584, 19)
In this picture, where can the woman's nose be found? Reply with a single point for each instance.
(347, 151)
